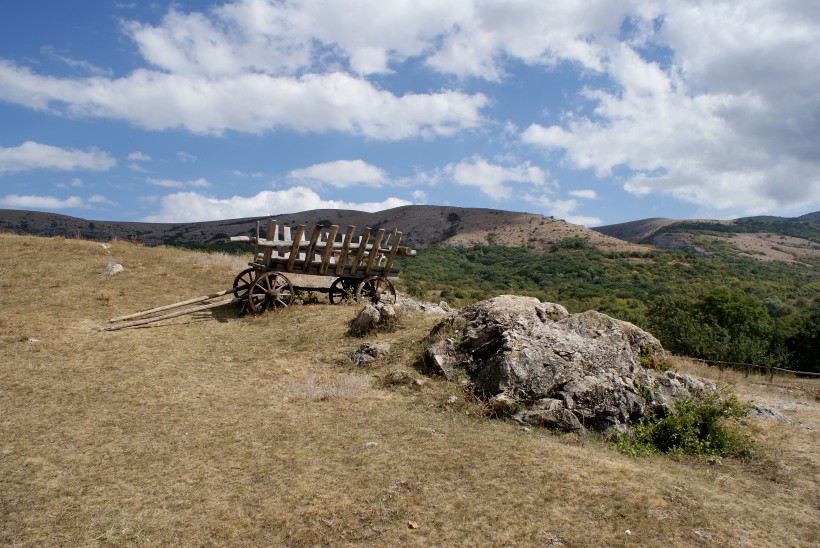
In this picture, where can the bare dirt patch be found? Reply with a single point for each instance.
(773, 247)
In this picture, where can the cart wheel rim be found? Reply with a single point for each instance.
(376, 289)
(341, 290)
(270, 291)
(242, 283)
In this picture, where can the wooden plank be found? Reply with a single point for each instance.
(357, 259)
(294, 248)
(342, 259)
(374, 252)
(393, 250)
(309, 251)
(331, 239)
(270, 235)
(114, 327)
(256, 244)
(182, 303)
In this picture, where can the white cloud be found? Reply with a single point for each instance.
(239, 173)
(419, 197)
(138, 156)
(729, 124)
(342, 174)
(191, 206)
(16, 201)
(493, 179)
(563, 209)
(31, 155)
(587, 194)
(171, 183)
(248, 102)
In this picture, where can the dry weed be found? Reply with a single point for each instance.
(212, 429)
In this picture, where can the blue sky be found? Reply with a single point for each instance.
(596, 112)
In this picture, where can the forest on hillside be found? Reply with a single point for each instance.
(727, 307)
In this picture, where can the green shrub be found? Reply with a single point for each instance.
(707, 425)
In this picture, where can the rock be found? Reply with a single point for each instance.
(397, 377)
(551, 368)
(365, 322)
(111, 270)
(407, 304)
(373, 317)
(767, 413)
(369, 352)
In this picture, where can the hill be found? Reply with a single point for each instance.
(213, 429)
(423, 226)
(766, 238)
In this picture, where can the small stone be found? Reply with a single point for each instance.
(288, 371)
(111, 270)
(451, 400)
(397, 377)
(371, 444)
(412, 525)
(419, 382)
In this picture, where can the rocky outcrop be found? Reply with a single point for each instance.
(540, 365)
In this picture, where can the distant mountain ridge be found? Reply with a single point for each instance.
(761, 237)
(421, 225)
(764, 237)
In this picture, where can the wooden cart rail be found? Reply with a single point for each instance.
(326, 252)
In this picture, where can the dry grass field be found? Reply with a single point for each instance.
(217, 430)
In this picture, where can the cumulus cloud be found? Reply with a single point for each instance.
(31, 155)
(730, 123)
(563, 209)
(492, 179)
(713, 103)
(342, 174)
(248, 102)
(192, 206)
(172, 183)
(586, 194)
(32, 201)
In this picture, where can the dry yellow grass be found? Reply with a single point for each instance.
(212, 429)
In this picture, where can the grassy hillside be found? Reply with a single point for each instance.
(213, 429)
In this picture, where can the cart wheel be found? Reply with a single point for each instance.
(271, 290)
(342, 289)
(376, 290)
(243, 280)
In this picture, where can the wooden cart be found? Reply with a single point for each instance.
(361, 265)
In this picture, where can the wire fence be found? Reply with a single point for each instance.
(748, 367)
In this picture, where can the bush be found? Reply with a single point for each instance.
(707, 425)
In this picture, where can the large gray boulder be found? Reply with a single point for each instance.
(541, 365)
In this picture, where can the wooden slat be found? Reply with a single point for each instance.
(331, 238)
(270, 235)
(393, 250)
(309, 252)
(357, 259)
(256, 244)
(342, 259)
(294, 248)
(374, 251)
